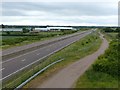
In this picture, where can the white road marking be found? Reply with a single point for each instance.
(23, 60)
(2, 69)
(38, 54)
(36, 49)
(18, 56)
(21, 55)
(42, 58)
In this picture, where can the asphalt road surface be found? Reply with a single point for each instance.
(67, 77)
(15, 51)
(16, 64)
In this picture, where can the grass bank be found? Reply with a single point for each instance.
(70, 54)
(93, 79)
(104, 73)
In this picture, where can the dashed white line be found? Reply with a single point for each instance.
(40, 59)
(36, 50)
(2, 69)
(38, 54)
(23, 60)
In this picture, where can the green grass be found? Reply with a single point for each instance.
(93, 79)
(102, 74)
(25, 42)
(110, 36)
(9, 37)
(72, 53)
(24, 39)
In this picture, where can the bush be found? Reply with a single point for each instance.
(8, 32)
(25, 30)
(109, 62)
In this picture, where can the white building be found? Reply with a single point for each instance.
(52, 29)
(11, 29)
(40, 29)
(59, 28)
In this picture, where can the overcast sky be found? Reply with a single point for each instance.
(61, 13)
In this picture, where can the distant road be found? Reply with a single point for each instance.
(14, 65)
(66, 77)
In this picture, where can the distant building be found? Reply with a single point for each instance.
(40, 29)
(36, 30)
(59, 28)
(51, 29)
(11, 29)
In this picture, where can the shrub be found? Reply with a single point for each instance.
(109, 62)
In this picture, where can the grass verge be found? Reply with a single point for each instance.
(93, 79)
(104, 73)
(72, 53)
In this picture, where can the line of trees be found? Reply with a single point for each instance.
(25, 30)
(108, 29)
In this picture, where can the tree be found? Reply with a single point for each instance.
(8, 32)
(3, 26)
(117, 29)
(25, 30)
(108, 29)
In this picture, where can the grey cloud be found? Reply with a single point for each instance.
(59, 9)
(62, 12)
(12, 12)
